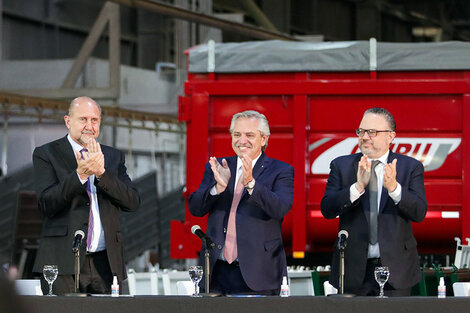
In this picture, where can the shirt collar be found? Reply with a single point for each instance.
(383, 159)
(75, 146)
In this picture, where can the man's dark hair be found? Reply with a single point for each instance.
(387, 115)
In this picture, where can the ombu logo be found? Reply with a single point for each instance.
(432, 152)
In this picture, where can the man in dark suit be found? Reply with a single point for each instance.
(246, 197)
(380, 236)
(80, 189)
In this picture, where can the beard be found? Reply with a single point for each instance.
(366, 150)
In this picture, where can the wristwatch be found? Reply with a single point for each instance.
(250, 185)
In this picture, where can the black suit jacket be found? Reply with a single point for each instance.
(395, 235)
(65, 204)
(259, 216)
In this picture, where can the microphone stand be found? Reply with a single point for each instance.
(341, 293)
(209, 245)
(341, 270)
(76, 287)
(207, 264)
(207, 269)
(77, 271)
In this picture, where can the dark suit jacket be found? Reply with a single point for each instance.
(395, 235)
(65, 204)
(259, 216)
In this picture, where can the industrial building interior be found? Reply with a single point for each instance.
(130, 57)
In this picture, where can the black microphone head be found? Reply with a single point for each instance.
(194, 228)
(80, 232)
(343, 232)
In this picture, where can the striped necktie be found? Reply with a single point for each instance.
(90, 216)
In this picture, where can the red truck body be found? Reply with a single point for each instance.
(312, 116)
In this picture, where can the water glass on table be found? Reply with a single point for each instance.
(381, 276)
(50, 275)
(196, 272)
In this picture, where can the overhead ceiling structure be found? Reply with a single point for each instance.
(12, 105)
(385, 20)
(359, 19)
(191, 16)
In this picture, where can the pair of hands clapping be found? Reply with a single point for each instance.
(364, 171)
(222, 172)
(92, 162)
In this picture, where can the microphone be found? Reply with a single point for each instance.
(196, 230)
(342, 239)
(77, 242)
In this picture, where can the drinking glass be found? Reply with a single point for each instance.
(381, 276)
(195, 272)
(50, 274)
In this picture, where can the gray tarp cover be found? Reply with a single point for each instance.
(288, 56)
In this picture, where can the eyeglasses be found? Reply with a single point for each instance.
(371, 132)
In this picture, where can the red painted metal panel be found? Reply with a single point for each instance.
(324, 87)
(277, 109)
(313, 117)
(343, 113)
(466, 165)
(300, 158)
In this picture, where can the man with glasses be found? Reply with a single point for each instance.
(376, 194)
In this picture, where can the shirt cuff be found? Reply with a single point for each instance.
(396, 194)
(81, 180)
(354, 194)
(213, 191)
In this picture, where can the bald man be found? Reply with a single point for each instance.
(82, 185)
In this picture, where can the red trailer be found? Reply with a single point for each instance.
(314, 95)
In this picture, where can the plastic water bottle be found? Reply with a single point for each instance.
(441, 289)
(115, 287)
(284, 287)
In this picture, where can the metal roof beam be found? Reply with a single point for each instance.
(188, 15)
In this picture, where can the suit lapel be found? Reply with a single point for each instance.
(67, 154)
(260, 165)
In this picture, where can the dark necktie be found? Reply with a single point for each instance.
(90, 216)
(374, 205)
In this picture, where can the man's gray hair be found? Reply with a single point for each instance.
(263, 125)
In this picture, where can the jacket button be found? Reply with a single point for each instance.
(219, 247)
(88, 203)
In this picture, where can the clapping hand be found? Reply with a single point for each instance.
(390, 176)
(247, 169)
(363, 173)
(221, 173)
(91, 163)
